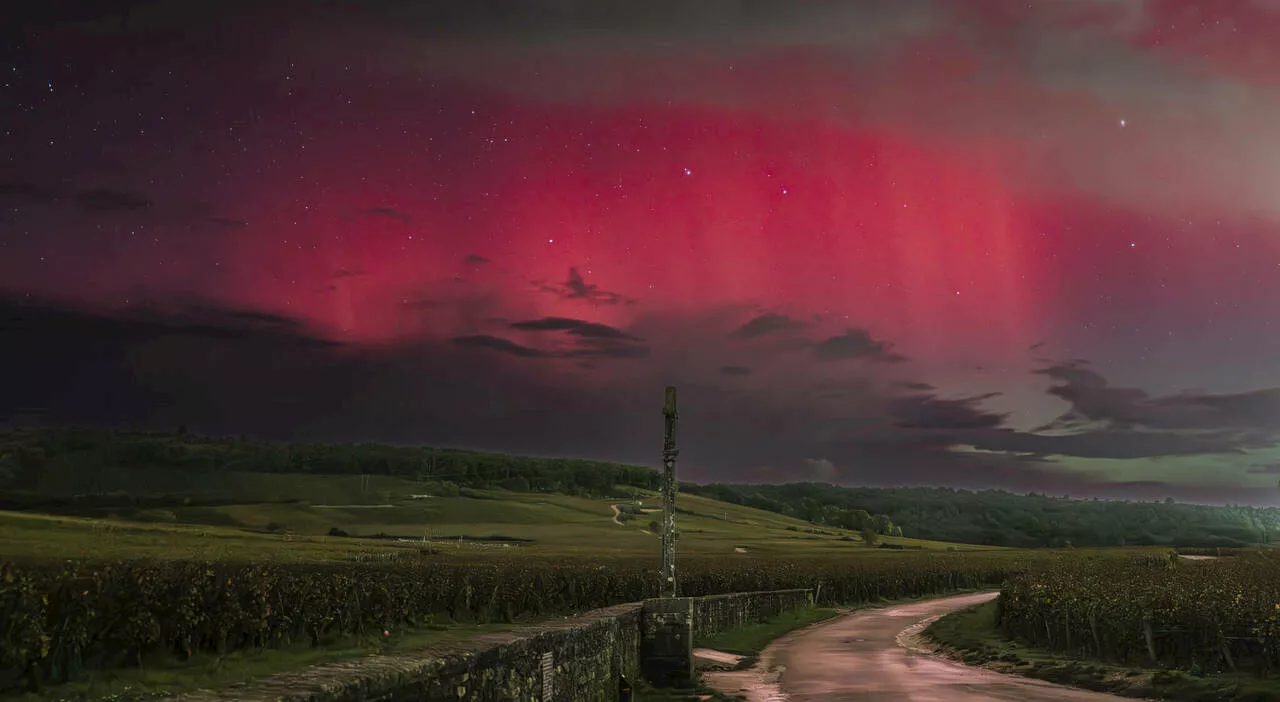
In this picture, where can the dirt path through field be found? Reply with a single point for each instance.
(874, 655)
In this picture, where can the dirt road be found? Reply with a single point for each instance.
(865, 656)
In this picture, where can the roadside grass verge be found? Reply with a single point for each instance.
(971, 636)
(745, 641)
(751, 639)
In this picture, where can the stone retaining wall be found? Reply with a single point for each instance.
(588, 655)
(715, 613)
(580, 659)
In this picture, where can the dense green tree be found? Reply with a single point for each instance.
(882, 524)
(9, 470)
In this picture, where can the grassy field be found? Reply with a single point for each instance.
(971, 636)
(289, 517)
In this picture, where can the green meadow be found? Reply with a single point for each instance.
(290, 517)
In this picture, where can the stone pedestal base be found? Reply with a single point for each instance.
(666, 643)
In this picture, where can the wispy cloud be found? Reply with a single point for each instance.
(856, 344)
(768, 323)
(387, 212)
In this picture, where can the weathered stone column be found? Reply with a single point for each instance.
(669, 452)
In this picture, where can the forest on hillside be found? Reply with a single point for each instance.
(63, 463)
(95, 456)
(998, 518)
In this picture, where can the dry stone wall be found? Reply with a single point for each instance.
(579, 659)
(716, 613)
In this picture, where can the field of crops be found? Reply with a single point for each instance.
(58, 620)
(1200, 616)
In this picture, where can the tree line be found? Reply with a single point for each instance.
(24, 453)
(990, 517)
(998, 518)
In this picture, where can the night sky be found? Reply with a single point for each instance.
(975, 243)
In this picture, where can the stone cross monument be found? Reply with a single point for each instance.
(669, 452)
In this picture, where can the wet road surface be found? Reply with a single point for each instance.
(865, 656)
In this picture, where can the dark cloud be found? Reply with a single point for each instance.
(856, 344)
(348, 273)
(768, 323)
(251, 316)
(1102, 422)
(495, 17)
(735, 370)
(190, 319)
(930, 412)
(107, 200)
(475, 260)
(591, 340)
(387, 212)
(577, 288)
(1094, 401)
(576, 327)
(914, 386)
(228, 222)
(89, 200)
(1113, 443)
(149, 323)
(930, 423)
(18, 188)
(152, 364)
(609, 351)
(497, 343)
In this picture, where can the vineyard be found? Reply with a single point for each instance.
(1202, 616)
(57, 620)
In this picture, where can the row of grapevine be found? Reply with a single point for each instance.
(58, 620)
(1205, 616)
